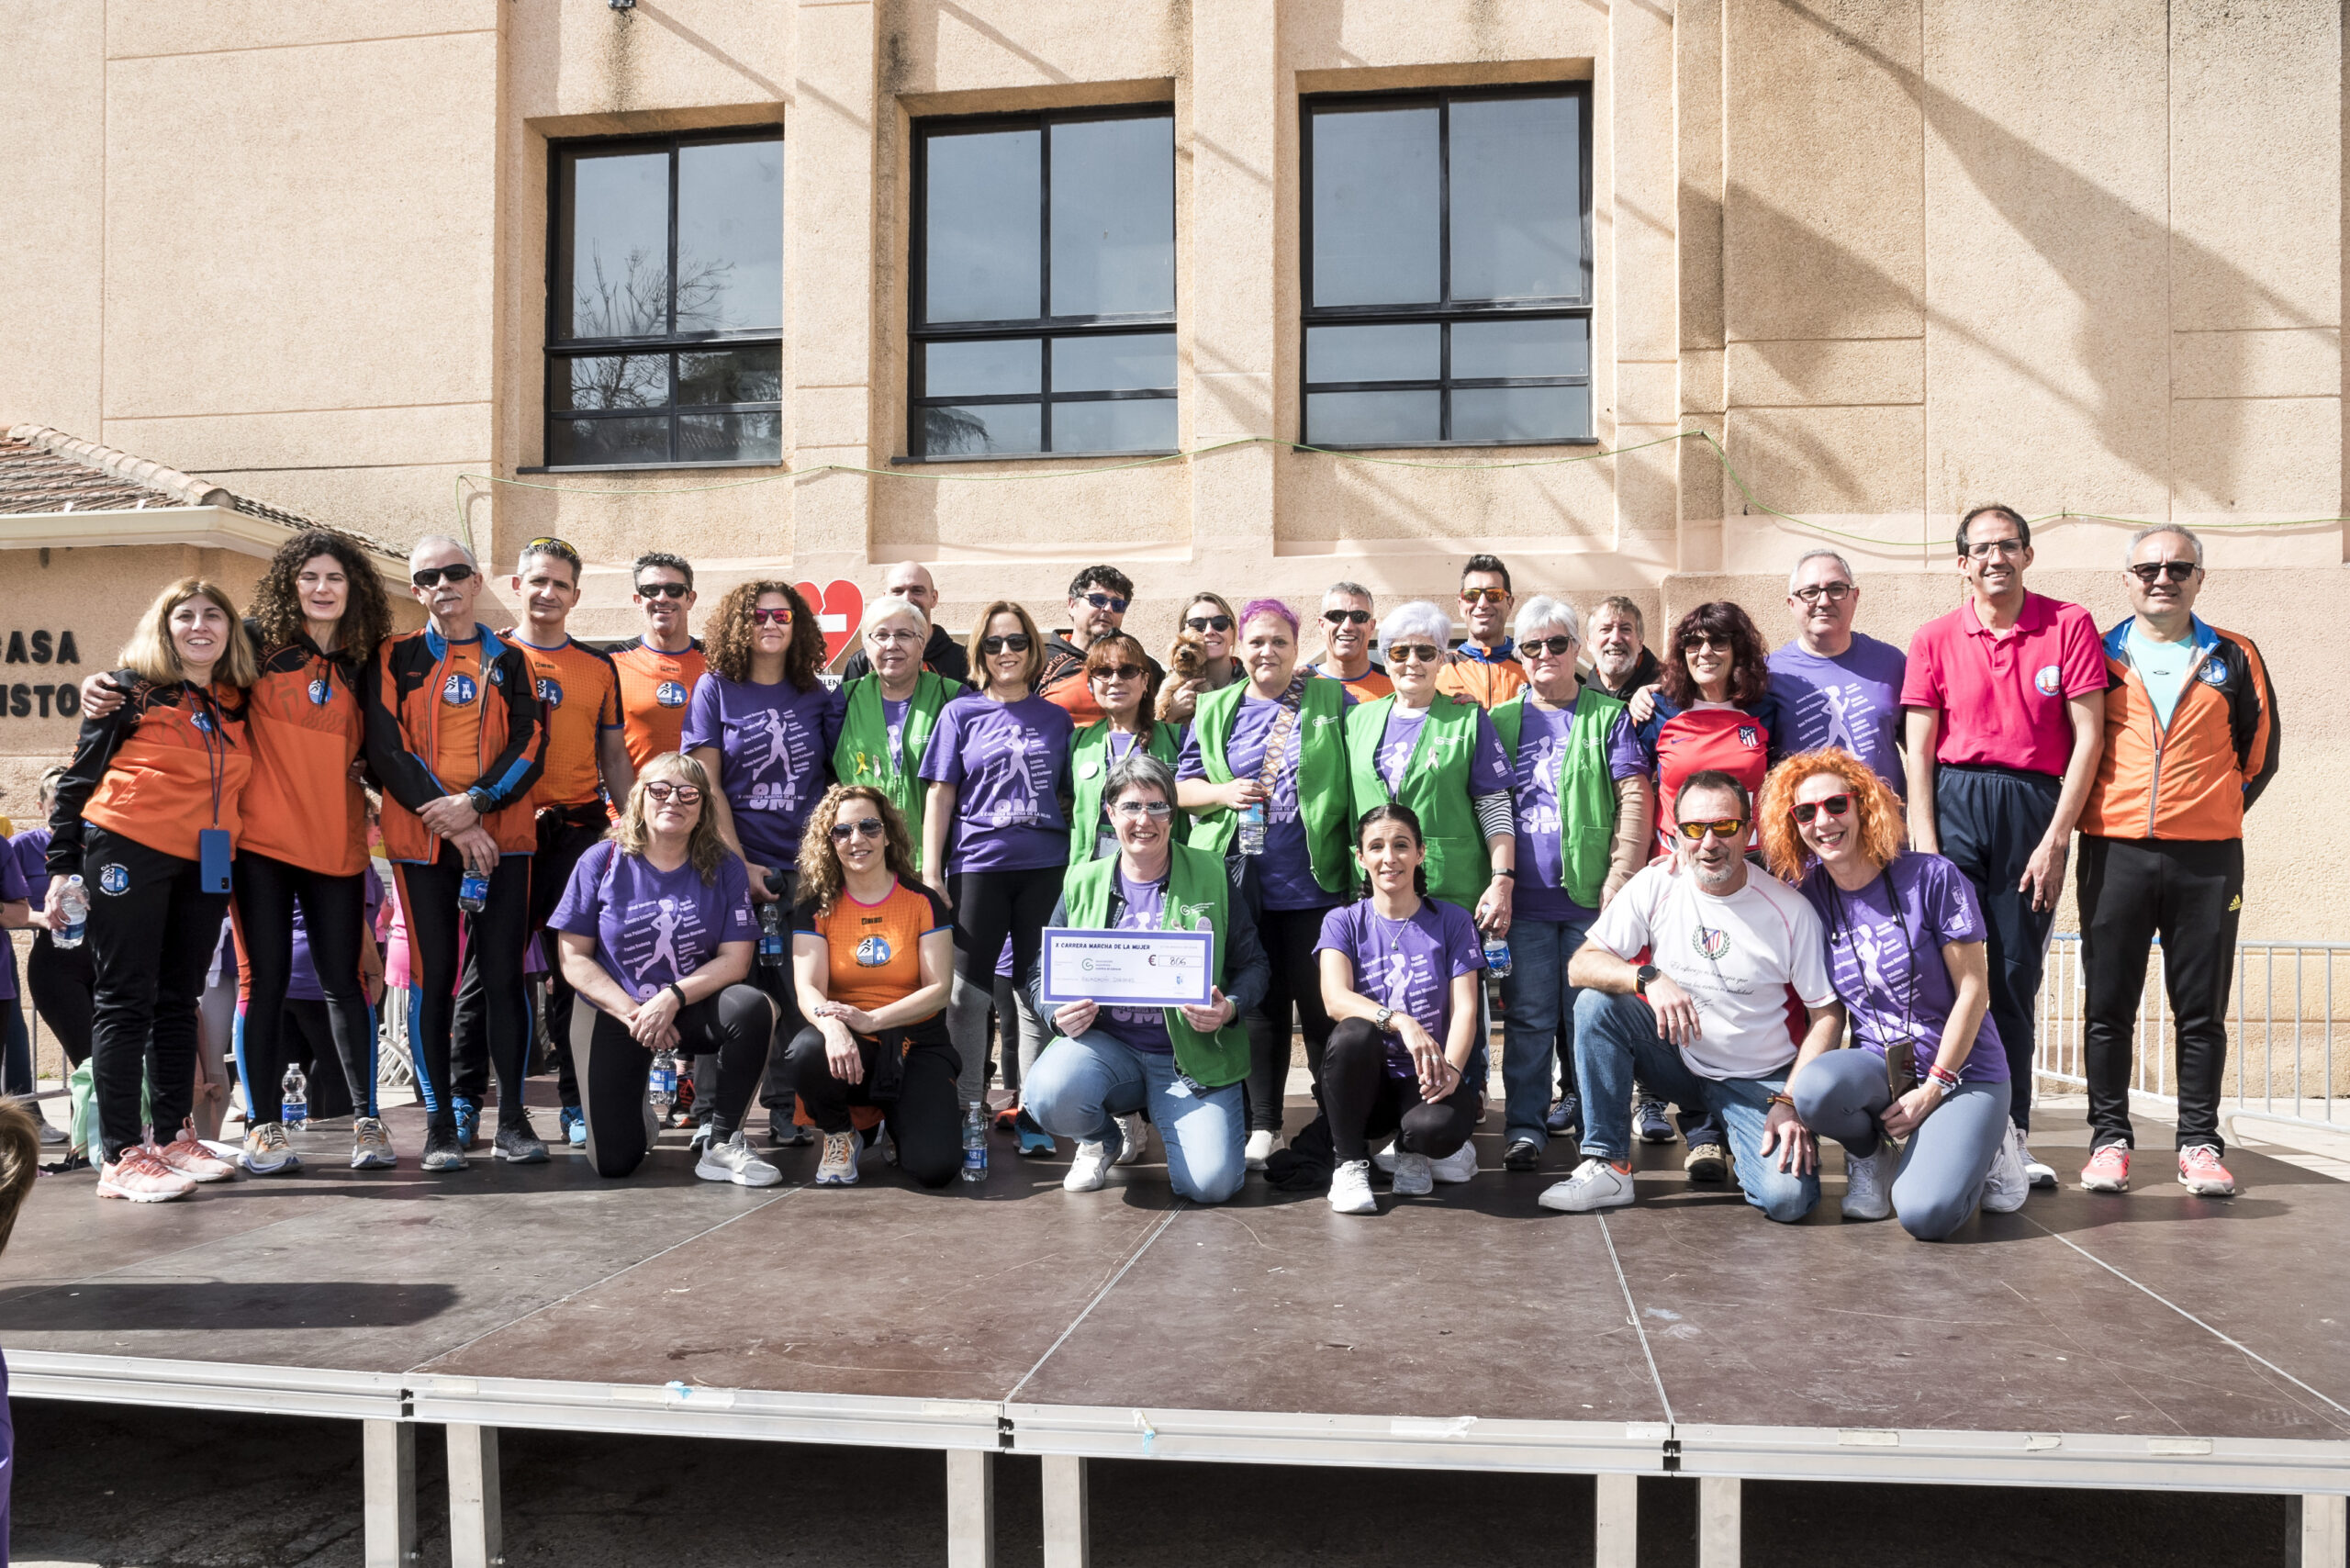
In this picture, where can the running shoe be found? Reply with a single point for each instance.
(1134, 1136)
(733, 1159)
(441, 1150)
(2005, 1189)
(52, 1134)
(1525, 1154)
(694, 1145)
(1707, 1161)
(1259, 1148)
(468, 1121)
(1652, 1124)
(2109, 1169)
(1090, 1170)
(1596, 1184)
(1350, 1188)
(1565, 1116)
(837, 1166)
(140, 1178)
(1457, 1166)
(1415, 1175)
(2038, 1172)
(785, 1132)
(1385, 1158)
(516, 1144)
(1035, 1143)
(267, 1153)
(572, 1122)
(2200, 1172)
(1868, 1183)
(188, 1156)
(371, 1145)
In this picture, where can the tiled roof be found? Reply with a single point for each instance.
(44, 470)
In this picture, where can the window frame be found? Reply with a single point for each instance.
(921, 332)
(558, 350)
(1445, 311)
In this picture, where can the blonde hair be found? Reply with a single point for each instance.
(151, 656)
(703, 846)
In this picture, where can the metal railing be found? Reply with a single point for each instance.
(2288, 1036)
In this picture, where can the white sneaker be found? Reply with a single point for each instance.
(1350, 1188)
(52, 1134)
(1457, 1166)
(1385, 1158)
(1088, 1170)
(1414, 1176)
(266, 1152)
(2006, 1187)
(1596, 1184)
(2037, 1173)
(837, 1168)
(735, 1161)
(1135, 1133)
(1868, 1183)
(1258, 1149)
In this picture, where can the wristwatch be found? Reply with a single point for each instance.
(1386, 1016)
(483, 805)
(1641, 978)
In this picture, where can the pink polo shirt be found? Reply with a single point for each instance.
(2001, 695)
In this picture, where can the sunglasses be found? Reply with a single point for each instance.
(1705, 639)
(1210, 624)
(1834, 593)
(1346, 617)
(662, 590)
(1118, 672)
(771, 617)
(684, 794)
(431, 576)
(1485, 596)
(2177, 571)
(1835, 806)
(1108, 602)
(1015, 644)
(1728, 828)
(1421, 653)
(864, 827)
(1134, 810)
(1558, 646)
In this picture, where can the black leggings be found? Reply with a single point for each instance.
(64, 984)
(1364, 1101)
(150, 943)
(926, 1117)
(334, 913)
(309, 1033)
(487, 944)
(988, 906)
(733, 1026)
(565, 833)
(1289, 936)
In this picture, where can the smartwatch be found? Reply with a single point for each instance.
(1641, 978)
(483, 805)
(1387, 1017)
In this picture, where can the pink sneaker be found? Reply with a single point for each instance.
(192, 1159)
(2107, 1170)
(140, 1178)
(2200, 1172)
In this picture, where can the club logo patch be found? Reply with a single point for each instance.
(2213, 673)
(670, 695)
(2049, 680)
(200, 720)
(550, 691)
(114, 879)
(1749, 737)
(459, 689)
(1712, 941)
(320, 692)
(873, 952)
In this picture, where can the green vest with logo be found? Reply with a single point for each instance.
(1197, 898)
(1586, 791)
(862, 754)
(1436, 786)
(1089, 773)
(1321, 751)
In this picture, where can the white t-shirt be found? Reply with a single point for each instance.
(1735, 956)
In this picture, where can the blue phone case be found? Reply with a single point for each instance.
(212, 854)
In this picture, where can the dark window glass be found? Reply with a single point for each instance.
(666, 293)
(1447, 268)
(1043, 242)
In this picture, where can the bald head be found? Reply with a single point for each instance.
(910, 580)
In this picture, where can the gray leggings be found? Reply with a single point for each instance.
(1940, 1178)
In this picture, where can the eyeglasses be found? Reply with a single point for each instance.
(1108, 602)
(2177, 571)
(864, 827)
(1210, 622)
(684, 794)
(1485, 596)
(1834, 593)
(1134, 810)
(1995, 547)
(662, 590)
(1415, 653)
(1556, 646)
(431, 576)
(1727, 828)
(1835, 806)
(893, 634)
(1117, 672)
(1346, 617)
(1707, 640)
(771, 617)
(1016, 644)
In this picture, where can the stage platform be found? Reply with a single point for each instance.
(2148, 1340)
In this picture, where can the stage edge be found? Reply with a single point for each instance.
(2014, 1458)
(207, 1386)
(679, 1410)
(1459, 1442)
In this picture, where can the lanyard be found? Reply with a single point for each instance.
(215, 762)
(1909, 941)
(1276, 740)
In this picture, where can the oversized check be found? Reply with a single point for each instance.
(1128, 969)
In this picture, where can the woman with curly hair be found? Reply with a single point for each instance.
(1905, 954)
(873, 950)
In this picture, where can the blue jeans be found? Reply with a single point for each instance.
(1538, 1008)
(1614, 1038)
(1078, 1087)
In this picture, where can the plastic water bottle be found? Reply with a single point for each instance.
(975, 1143)
(663, 1091)
(472, 892)
(770, 951)
(1252, 829)
(74, 903)
(295, 1093)
(1497, 958)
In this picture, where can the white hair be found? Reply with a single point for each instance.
(1420, 619)
(1542, 611)
(1843, 565)
(2144, 534)
(889, 607)
(433, 541)
(1343, 590)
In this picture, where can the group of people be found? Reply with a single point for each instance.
(1788, 894)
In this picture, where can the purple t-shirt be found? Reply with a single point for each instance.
(1285, 870)
(775, 744)
(1408, 965)
(14, 885)
(1008, 762)
(302, 978)
(1852, 700)
(1535, 789)
(1870, 957)
(653, 927)
(1144, 1028)
(1488, 764)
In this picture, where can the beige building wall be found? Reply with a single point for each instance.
(1896, 256)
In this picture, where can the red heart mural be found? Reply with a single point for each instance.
(839, 607)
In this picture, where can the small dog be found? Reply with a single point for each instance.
(1188, 658)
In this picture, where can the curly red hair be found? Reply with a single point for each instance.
(1877, 817)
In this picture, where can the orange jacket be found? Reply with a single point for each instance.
(302, 805)
(2194, 780)
(149, 771)
(454, 718)
(1488, 683)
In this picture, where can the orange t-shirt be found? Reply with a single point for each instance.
(579, 695)
(874, 951)
(654, 687)
(1368, 687)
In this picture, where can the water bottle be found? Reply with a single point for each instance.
(663, 1091)
(975, 1143)
(472, 892)
(1497, 958)
(73, 905)
(1252, 829)
(295, 1093)
(770, 952)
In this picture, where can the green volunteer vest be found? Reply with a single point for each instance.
(1089, 773)
(1587, 792)
(1436, 786)
(1320, 739)
(1197, 898)
(862, 754)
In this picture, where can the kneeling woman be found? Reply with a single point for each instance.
(1906, 953)
(1400, 973)
(654, 928)
(873, 954)
(1185, 1064)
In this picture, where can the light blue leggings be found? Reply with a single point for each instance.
(1939, 1179)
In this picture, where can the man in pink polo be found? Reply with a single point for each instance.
(2005, 720)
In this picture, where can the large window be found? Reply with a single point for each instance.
(1043, 286)
(1447, 268)
(665, 302)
